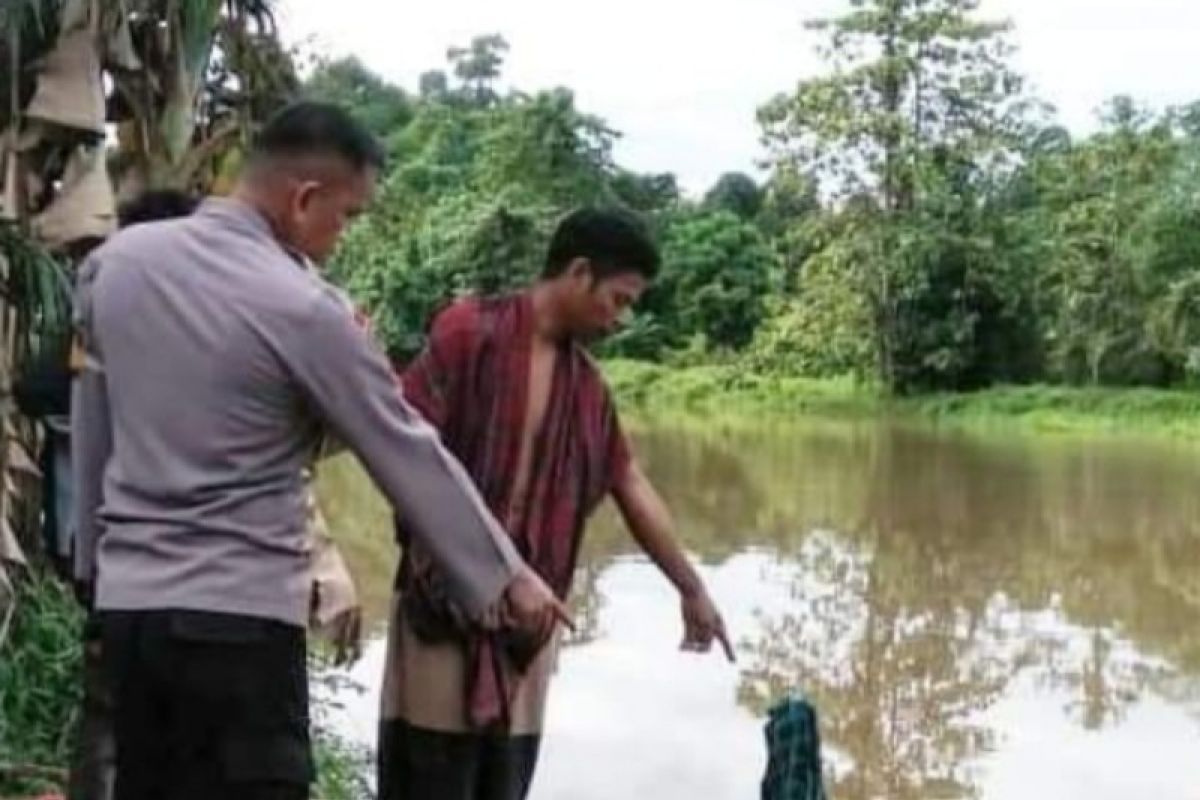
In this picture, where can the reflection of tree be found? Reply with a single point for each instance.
(899, 693)
(1102, 681)
(586, 603)
(957, 566)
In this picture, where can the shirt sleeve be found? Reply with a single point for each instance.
(91, 433)
(349, 382)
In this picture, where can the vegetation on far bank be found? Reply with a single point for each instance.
(738, 395)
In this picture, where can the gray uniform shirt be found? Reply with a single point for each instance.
(213, 359)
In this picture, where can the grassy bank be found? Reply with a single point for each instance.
(41, 684)
(730, 393)
(718, 389)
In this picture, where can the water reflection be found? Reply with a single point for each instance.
(945, 600)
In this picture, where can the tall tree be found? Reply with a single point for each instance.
(909, 77)
(478, 66)
(434, 85)
(916, 85)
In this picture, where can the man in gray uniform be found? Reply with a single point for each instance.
(213, 361)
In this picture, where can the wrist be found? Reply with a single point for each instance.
(690, 587)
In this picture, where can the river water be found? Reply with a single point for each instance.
(975, 615)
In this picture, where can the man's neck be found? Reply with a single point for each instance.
(547, 325)
(258, 201)
(254, 197)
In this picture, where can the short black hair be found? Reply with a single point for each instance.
(614, 240)
(310, 128)
(156, 204)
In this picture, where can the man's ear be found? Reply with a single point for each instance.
(303, 196)
(579, 268)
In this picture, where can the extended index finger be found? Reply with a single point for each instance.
(563, 614)
(723, 638)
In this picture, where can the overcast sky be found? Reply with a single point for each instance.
(681, 79)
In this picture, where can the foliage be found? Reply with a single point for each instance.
(823, 327)
(188, 105)
(736, 397)
(342, 766)
(478, 66)
(736, 193)
(469, 243)
(717, 274)
(28, 29)
(477, 185)
(1106, 226)
(40, 688)
(37, 285)
(721, 389)
(377, 104)
(645, 193)
(909, 77)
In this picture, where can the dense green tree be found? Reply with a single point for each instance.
(477, 184)
(1104, 231)
(737, 193)
(716, 277)
(646, 193)
(383, 107)
(545, 145)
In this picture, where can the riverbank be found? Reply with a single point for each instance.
(730, 393)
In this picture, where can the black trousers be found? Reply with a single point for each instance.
(418, 764)
(93, 756)
(207, 706)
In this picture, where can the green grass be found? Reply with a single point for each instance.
(730, 394)
(722, 388)
(40, 684)
(1066, 410)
